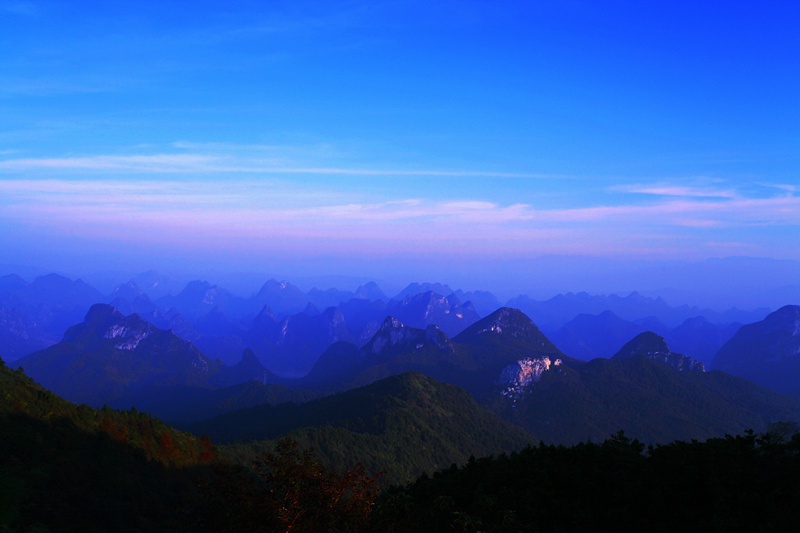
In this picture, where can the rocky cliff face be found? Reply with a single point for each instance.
(394, 333)
(129, 332)
(518, 376)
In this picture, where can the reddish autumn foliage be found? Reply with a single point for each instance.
(307, 496)
(289, 490)
(118, 432)
(208, 449)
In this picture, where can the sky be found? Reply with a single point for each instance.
(486, 144)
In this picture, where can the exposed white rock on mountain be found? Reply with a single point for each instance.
(517, 376)
(129, 332)
(108, 355)
(126, 361)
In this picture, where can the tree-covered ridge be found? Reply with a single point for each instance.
(403, 425)
(192, 404)
(68, 467)
(741, 483)
(650, 400)
(74, 469)
(23, 397)
(288, 489)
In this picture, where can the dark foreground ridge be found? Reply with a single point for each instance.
(742, 483)
(73, 468)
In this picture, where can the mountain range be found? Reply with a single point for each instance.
(377, 382)
(152, 354)
(222, 325)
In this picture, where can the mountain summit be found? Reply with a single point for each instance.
(508, 322)
(655, 347)
(109, 355)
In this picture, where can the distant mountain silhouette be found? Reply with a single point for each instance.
(766, 352)
(430, 308)
(653, 346)
(50, 304)
(292, 345)
(329, 297)
(699, 338)
(198, 298)
(418, 288)
(282, 297)
(158, 285)
(553, 313)
(363, 318)
(395, 348)
(370, 291)
(19, 336)
(589, 336)
(484, 302)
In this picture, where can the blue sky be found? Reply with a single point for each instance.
(399, 139)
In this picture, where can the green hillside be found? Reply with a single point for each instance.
(68, 467)
(404, 425)
(646, 398)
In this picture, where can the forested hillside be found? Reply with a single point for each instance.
(402, 426)
(741, 483)
(68, 467)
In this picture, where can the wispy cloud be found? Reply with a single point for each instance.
(246, 212)
(212, 164)
(271, 201)
(676, 191)
(162, 163)
(785, 187)
(162, 196)
(693, 213)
